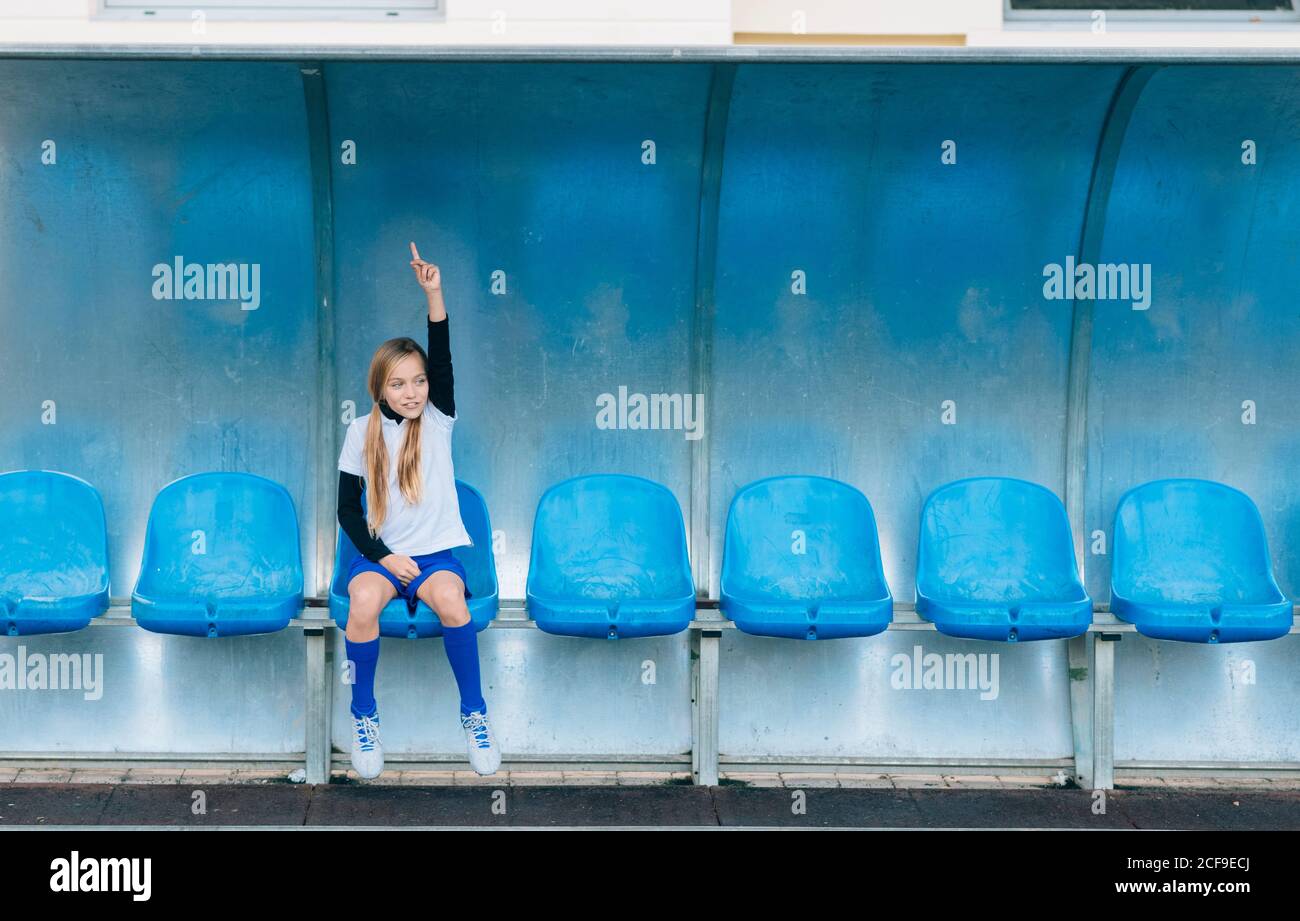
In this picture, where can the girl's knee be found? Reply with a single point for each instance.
(364, 618)
(449, 602)
(365, 601)
(447, 594)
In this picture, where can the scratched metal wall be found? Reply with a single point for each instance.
(923, 284)
(150, 162)
(1168, 384)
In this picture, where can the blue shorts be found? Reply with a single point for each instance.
(429, 563)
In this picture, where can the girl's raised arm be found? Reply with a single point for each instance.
(442, 385)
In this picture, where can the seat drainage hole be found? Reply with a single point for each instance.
(1013, 636)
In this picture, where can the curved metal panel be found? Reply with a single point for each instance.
(1202, 383)
(923, 279)
(1221, 243)
(113, 170)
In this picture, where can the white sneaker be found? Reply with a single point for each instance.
(484, 756)
(367, 752)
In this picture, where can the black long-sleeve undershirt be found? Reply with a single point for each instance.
(353, 520)
(442, 385)
(442, 394)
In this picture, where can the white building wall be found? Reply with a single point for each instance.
(646, 22)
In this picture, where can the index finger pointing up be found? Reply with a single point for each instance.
(415, 253)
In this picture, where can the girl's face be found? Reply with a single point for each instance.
(407, 387)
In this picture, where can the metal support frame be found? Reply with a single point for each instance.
(326, 435)
(320, 660)
(1103, 710)
(705, 705)
(721, 78)
(1079, 651)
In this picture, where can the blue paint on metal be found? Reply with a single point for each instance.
(996, 562)
(609, 560)
(1192, 563)
(801, 560)
(397, 619)
(53, 553)
(221, 558)
(566, 258)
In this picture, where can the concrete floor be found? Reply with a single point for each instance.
(152, 797)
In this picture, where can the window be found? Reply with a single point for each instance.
(324, 10)
(1161, 10)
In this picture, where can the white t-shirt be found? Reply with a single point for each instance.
(434, 524)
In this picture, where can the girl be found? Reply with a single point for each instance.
(403, 450)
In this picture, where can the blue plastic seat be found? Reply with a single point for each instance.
(221, 558)
(397, 619)
(996, 562)
(801, 560)
(53, 553)
(609, 560)
(1191, 563)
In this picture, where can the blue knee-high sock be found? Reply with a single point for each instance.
(364, 656)
(462, 652)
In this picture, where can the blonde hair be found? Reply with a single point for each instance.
(386, 358)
